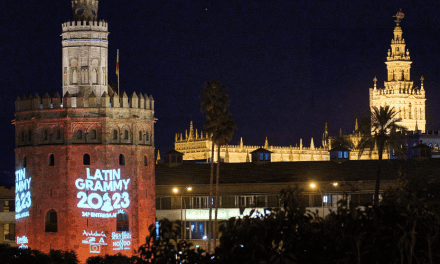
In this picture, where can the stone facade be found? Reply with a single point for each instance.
(85, 170)
(199, 147)
(85, 51)
(399, 90)
(7, 221)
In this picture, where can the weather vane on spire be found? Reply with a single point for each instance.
(399, 16)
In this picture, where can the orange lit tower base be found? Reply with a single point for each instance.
(84, 174)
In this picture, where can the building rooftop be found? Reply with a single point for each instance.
(288, 172)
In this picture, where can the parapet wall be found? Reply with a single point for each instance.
(35, 102)
(85, 25)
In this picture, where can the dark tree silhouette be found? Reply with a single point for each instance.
(385, 133)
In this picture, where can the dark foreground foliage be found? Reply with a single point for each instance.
(403, 229)
(14, 255)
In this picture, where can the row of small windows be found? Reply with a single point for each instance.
(262, 201)
(93, 134)
(86, 160)
(51, 221)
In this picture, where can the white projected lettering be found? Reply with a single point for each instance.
(121, 241)
(23, 199)
(104, 191)
(22, 242)
(95, 240)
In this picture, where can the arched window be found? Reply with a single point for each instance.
(140, 135)
(58, 134)
(146, 136)
(145, 161)
(122, 221)
(30, 135)
(51, 160)
(45, 135)
(126, 134)
(86, 159)
(121, 159)
(24, 162)
(79, 134)
(93, 134)
(23, 137)
(51, 224)
(115, 134)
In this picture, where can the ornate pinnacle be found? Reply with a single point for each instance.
(399, 16)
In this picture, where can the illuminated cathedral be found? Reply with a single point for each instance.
(399, 92)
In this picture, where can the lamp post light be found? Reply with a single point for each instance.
(182, 204)
(315, 186)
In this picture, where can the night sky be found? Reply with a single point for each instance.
(290, 66)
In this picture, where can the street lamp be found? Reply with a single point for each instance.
(182, 204)
(313, 186)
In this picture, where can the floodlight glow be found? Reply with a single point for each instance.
(23, 199)
(335, 184)
(175, 190)
(109, 193)
(312, 185)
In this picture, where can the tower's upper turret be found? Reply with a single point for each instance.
(85, 10)
(399, 90)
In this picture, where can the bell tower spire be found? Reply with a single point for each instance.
(399, 91)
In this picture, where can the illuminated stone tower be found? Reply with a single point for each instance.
(399, 91)
(85, 161)
(85, 51)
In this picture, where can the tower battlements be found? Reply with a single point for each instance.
(85, 26)
(140, 101)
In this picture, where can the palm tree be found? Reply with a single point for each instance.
(224, 131)
(214, 101)
(382, 130)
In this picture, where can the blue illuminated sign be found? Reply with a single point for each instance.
(23, 199)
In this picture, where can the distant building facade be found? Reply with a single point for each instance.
(399, 90)
(7, 216)
(198, 147)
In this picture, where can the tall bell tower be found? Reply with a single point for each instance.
(399, 91)
(85, 51)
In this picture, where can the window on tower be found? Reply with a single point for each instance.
(140, 135)
(122, 221)
(51, 224)
(79, 134)
(86, 159)
(126, 134)
(93, 134)
(115, 134)
(51, 160)
(121, 159)
(145, 161)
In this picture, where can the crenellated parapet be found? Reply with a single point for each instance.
(54, 120)
(35, 102)
(85, 26)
